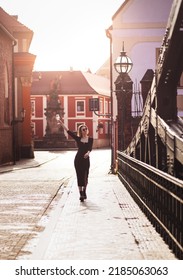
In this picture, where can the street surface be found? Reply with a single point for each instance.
(41, 217)
(26, 197)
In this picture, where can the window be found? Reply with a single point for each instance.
(80, 106)
(106, 107)
(33, 108)
(101, 106)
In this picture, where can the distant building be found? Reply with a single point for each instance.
(75, 90)
(104, 70)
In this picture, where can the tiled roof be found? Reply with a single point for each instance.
(11, 23)
(99, 83)
(104, 70)
(71, 82)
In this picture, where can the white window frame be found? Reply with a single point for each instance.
(106, 107)
(33, 107)
(84, 106)
(101, 106)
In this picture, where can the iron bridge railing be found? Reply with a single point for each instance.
(159, 195)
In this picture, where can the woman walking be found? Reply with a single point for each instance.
(82, 159)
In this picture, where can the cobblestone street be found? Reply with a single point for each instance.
(42, 217)
(26, 197)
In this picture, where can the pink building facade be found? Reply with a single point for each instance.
(75, 90)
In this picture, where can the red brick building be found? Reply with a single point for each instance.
(16, 65)
(6, 94)
(75, 90)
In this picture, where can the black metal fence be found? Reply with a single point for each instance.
(159, 195)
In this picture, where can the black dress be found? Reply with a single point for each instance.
(82, 164)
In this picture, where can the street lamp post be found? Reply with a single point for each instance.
(123, 66)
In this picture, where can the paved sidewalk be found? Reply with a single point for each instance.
(39, 159)
(108, 225)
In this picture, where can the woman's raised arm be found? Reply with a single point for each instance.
(63, 125)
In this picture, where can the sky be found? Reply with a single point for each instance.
(67, 33)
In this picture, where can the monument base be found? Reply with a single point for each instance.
(54, 141)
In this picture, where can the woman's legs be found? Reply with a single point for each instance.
(82, 172)
(86, 181)
(85, 186)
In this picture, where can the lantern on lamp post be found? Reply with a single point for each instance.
(123, 63)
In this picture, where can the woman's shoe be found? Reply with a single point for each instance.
(84, 195)
(81, 196)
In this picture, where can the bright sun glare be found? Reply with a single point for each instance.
(67, 33)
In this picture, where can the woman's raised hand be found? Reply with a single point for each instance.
(63, 125)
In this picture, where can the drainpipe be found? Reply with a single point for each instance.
(13, 106)
(108, 34)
